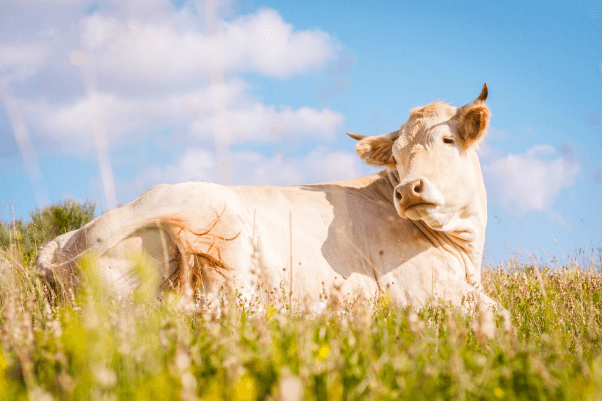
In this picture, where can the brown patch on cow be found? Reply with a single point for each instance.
(197, 252)
(473, 124)
(376, 151)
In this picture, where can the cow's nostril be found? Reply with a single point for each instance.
(418, 187)
(398, 195)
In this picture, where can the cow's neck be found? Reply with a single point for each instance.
(467, 252)
(465, 244)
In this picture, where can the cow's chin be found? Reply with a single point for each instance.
(429, 214)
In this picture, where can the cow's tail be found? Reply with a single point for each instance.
(197, 252)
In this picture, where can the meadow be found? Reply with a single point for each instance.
(546, 345)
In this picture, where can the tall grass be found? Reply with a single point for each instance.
(92, 345)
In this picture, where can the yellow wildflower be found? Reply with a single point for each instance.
(323, 352)
(3, 363)
(246, 390)
(270, 312)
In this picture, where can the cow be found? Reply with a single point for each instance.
(414, 231)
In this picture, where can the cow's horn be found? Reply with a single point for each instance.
(357, 137)
(481, 99)
(484, 93)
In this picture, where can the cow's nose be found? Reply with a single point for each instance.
(417, 187)
(409, 193)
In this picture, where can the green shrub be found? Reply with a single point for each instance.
(4, 236)
(46, 224)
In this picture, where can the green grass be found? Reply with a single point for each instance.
(90, 345)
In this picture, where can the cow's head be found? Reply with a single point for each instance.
(433, 154)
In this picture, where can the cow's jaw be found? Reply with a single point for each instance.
(438, 219)
(463, 223)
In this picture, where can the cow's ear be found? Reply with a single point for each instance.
(472, 124)
(376, 150)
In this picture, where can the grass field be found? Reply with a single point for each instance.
(89, 345)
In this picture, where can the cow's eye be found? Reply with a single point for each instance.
(449, 141)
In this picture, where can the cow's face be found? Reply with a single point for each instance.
(433, 155)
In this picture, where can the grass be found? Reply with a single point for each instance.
(90, 345)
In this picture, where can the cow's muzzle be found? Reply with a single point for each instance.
(416, 191)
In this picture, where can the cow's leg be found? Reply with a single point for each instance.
(116, 265)
(187, 230)
(54, 263)
(146, 254)
(415, 285)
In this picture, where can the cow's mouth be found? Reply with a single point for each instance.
(418, 210)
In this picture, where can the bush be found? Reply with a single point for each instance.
(46, 224)
(4, 236)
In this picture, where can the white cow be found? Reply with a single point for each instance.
(415, 230)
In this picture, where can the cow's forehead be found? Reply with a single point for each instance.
(434, 110)
(418, 128)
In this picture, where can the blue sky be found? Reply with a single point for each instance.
(290, 79)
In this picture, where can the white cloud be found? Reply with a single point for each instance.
(320, 165)
(67, 126)
(256, 122)
(152, 72)
(175, 51)
(252, 168)
(138, 8)
(264, 43)
(530, 181)
(21, 60)
(22, 54)
(195, 165)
